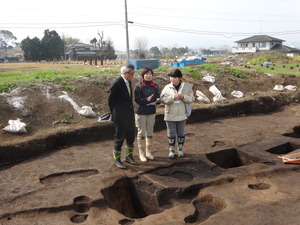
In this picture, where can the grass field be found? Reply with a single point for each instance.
(16, 74)
(280, 68)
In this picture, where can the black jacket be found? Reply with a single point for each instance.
(142, 91)
(119, 101)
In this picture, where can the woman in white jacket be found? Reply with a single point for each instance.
(175, 95)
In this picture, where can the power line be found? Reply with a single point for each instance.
(203, 32)
(222, 19)
(142, 25)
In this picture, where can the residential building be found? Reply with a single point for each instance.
(258, 43)
(80, 52)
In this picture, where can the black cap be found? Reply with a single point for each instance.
(175, 73)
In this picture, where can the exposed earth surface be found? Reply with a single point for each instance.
(61, 170)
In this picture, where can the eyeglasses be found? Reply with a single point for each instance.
(131, 73)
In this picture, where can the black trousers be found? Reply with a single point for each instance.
(124, 130)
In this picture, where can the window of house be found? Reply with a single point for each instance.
(253, 44)
(262, 45)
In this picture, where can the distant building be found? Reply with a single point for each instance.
(80, 52)
(258, 43)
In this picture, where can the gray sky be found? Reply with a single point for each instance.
(177, 23)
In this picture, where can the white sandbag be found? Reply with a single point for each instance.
(237, 94)
(202, 97)
(87, 111)
(219, 98)
(217, 94)
(290, 88)
(208, 78)
(67, 98)
(15, 126)
(278, 88)
(213, 89)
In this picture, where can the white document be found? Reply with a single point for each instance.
(186, 89)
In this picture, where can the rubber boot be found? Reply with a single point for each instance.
(180, 146)
(117, 159)
(129, 157)
(171, 142)
(141, 148)
(148, 148)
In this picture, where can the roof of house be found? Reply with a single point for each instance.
(259, 38)
(284, 48)
(78, 45)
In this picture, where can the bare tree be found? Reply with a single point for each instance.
(93, 42)
(141, 44)
(101, 44)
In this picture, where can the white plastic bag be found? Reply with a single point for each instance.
(278, 88)
(290, 88)
(202, 97)
(87, 111)
(217, 94)
(209, 78)
(15, 126)
(237, 94)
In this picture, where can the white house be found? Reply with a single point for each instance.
(263, 43)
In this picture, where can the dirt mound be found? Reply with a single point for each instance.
(45, 107)
(261, 57)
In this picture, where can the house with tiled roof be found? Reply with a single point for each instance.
(80, 51)
(258, 43)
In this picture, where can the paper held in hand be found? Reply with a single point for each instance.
(186, 89)
(154, 103)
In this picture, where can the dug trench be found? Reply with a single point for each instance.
(20, 150)
(230, 173)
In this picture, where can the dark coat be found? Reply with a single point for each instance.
(142, 91)
(119, 101)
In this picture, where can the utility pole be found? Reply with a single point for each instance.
(127, 36)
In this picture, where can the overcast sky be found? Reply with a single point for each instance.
(177, 23)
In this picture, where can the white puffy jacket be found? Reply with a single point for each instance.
(175, 111)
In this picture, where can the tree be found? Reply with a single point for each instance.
(109, 51)
(6, 37)
(155, 51)
(141, 44)
(207, 51)
(165, 51)
(32, 49)
(52, 46)
(94, 42)
(101, 42)
(70, 40)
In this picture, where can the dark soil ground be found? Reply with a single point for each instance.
(61, 172)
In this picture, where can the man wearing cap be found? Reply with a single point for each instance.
(175, 97)
(121, 108)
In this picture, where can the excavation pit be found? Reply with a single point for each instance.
(204, 208)
(295, 133)
(230, 158)
(281, 149)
